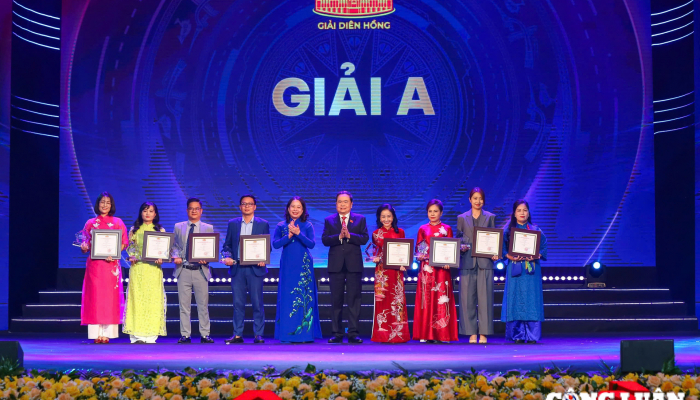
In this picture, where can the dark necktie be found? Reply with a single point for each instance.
(187, 241)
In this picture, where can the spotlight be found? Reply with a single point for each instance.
(371, 279)
(500, 265)
(503, 278)
(211, 279)
(323, 279)
(596, 275)
(218, 279)
(556, 278)
(229, 279)
(415, 265)
(551, 278)
(495, 278)
(544, 278)
(266, 280)
(568, 278)
(127, 280)
(366, 279)
(175, 280)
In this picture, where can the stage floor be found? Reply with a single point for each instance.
(66, 351)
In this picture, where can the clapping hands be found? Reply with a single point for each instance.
(293, 229)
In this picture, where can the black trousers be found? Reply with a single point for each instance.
(346, 286)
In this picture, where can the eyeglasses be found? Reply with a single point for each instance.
(197, 209)
(247, 204)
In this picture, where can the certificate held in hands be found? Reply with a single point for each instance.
(444, 251)
(524, 242)
(156, 246)
(397, 253)
(106, 243)
(203, 247)
(254, 249)
(488, 242)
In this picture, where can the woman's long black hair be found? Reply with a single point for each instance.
(394, 223)
(156, 219)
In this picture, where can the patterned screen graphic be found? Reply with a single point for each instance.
(549, 101)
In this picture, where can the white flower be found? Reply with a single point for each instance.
(436, 234)
(97, 220)
(428, 268)
(443, 230)
(96, 225)
(110, 224)
(443, 299)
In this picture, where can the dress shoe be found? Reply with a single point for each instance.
(98, 341)
(335, 340)
(185, 340)
(258, 339)
(105, 340)
(531, 341)
(234, 340)
(139, 342)
(206, 339)
(354, 340)
(472, 339)
(519, 341)
(482, 339)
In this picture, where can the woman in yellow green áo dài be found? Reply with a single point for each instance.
(144, 316)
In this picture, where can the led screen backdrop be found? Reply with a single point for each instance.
(550, 101)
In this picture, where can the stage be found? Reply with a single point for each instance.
(583, 353)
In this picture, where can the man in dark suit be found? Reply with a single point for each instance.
(344, 232)
(245, 278)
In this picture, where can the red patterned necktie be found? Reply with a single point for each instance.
(344, 224)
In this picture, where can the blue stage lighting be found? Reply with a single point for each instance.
(415, 265)
(500, 265)
(596, 265)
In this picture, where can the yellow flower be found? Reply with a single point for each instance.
(392, 393)
(598, 380)
(221, 381)
(235, 392)
(73, 391)
(324, 393)
(129, 393)
(667, 386)
(547, 385)
(192, 391)
(136, 386)
(345, 394)
(312, 396)
(370, 396)
(435, 381)
(503, 395)
(206, 391)
(25, 397)
(529, 397)
(89, 391)
(342, 376)
(529, 386)
(64, 379)
(430, 395)
(48, 395)
(693, 392)
(177, 378)
(288, 388)
(279, 381)
(334, 388)
(688, 383)
(168, 395)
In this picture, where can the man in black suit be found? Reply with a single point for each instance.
(344, 232)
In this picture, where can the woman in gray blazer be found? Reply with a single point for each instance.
(476, 274)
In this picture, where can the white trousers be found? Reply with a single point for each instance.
(98, 330)
(147, 339)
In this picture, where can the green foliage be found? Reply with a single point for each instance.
(10, 367)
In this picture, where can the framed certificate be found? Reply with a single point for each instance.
(488, 242)
(156, 245)
(203, 247)
(397, 253)
(524, 242)
(106, 243)
(444, 251)
(254, 249)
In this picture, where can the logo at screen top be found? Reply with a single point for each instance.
(354, 8)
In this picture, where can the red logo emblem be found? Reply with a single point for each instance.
(354, 8)
(258, 395)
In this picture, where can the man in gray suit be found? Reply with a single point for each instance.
(192, 276)
(476, 273)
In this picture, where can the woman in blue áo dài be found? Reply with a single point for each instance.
(523, 305)
(297, 296)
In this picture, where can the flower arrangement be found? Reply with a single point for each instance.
(326, 385)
